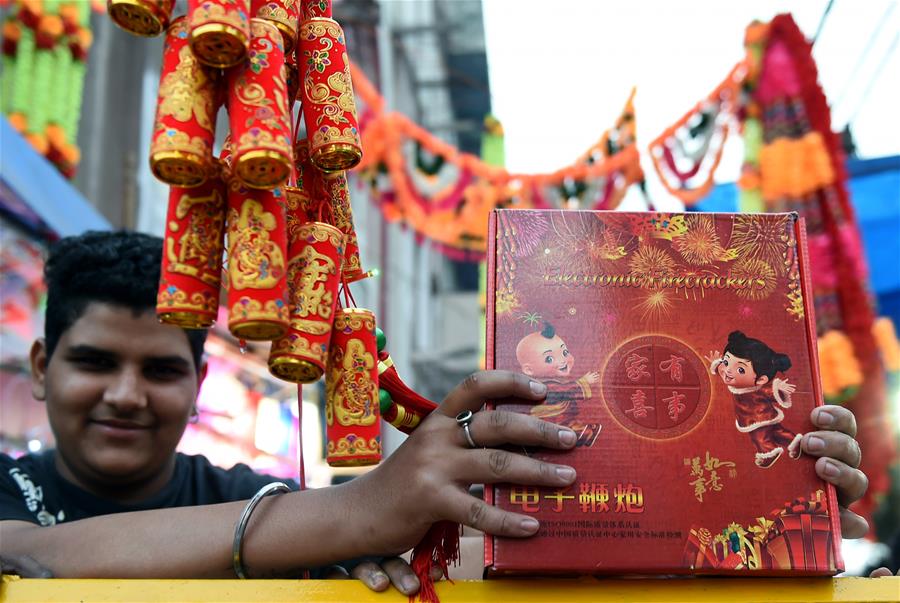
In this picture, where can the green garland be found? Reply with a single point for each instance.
(22, 73)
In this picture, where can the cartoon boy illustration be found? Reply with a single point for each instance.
(748, 367)
(544, 356)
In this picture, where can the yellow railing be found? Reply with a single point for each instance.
(731, 590)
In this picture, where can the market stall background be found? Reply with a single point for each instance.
(432, 281)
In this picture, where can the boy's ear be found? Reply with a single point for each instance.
(38, 358)
(526, 368)
(762, 380)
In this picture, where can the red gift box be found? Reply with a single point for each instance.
(352, 417)
(193, 250)
(284, 14)
(329, 107)
(257, 263)
(141, 17)
(259, 112)
(181, 150)
(220, 31)
(314, 276)
(681, 350)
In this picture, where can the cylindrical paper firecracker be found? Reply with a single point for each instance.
(284, 14)
(352, 417)
(181, 151)
(329, 107)
(141, 17)
(338, 191)
(220, 31)
(315, 8)
(291, 75)
(260, 112)
(192, 255)
(314, 277)
(257, 263)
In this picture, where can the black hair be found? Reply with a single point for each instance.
(548, 331)
(120, 268)
(765, 361)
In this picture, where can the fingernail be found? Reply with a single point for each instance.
(379, 579)
(831, 470)
(565, 473)
(410, 584)
(567, 437)
(538, 388)
(529, 524)
(824, 418)
(815, 444)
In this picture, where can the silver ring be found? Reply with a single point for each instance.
(463, 419)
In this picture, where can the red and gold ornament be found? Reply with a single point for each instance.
(181, 150)
(259, 112)
(329, 107)
(352, 417)
(314, 277)
(146, 18)
(338, 192)
(193, 249)
(284, 14)
(220, 31)
(257, 263)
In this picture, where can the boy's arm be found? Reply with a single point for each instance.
(384, 512)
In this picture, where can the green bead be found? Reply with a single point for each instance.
(384, 400)
(380, 339)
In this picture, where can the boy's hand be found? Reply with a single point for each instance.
(882, 572)
(427, 478)
(379, 575)
(839, 462)
(592, 377)
(713, 356)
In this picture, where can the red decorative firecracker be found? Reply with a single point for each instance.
(284, 14)
(314, 276)
(352, 418)
(291, 75)
(141, 17)
(316, 8)
(257, 267)
(192, 255)
(337, 190)
(220, 31)
(329, 107)
(181, 151)
(259, 112)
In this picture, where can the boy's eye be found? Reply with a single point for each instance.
(741, 370)
(548, 359)
(565, 353)
(164, 371)
(725, 362)
(93, 363)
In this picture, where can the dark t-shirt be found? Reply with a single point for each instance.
(31, 489)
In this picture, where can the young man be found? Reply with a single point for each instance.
(114, 499)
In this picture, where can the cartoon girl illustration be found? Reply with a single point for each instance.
(748, 368)
(544, 355)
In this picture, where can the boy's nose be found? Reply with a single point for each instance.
(125, 390)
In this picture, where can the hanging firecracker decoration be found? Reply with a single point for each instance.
(400, 406)
(337, 191)
(284, 14)
(314, 276)
(146, 18)
(259, 112)
(219, 31)
(352, 417)
(181, 151)
(192, 255)
(329, 107)
(257, 263)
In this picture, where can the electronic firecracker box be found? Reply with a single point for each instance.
(681, 349)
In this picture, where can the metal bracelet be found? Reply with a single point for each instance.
(273, 488)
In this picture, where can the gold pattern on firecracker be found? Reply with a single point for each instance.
(219, 31)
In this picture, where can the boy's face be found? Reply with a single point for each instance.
(738, 372)
(119, 390)
(544, 358)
